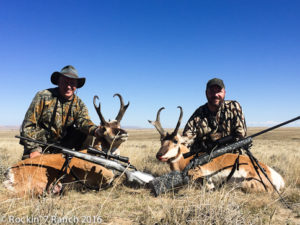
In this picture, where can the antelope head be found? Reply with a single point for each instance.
(172, 145)
(113, 135)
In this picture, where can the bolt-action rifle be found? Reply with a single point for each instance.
(132, 174)
(175, 179)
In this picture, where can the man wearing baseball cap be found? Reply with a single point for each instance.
(57, 115)
(215, 119)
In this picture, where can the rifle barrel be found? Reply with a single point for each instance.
(38, 142)
(274, 127)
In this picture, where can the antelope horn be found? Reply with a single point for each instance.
(157, 124)
(122, 108)
(98, 110)
(179, 122)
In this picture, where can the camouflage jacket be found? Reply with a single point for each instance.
(205, 127)
(40, 116)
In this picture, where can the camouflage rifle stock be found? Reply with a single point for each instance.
(176, 179)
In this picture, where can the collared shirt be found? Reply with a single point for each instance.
(40, 122)
(204, 127)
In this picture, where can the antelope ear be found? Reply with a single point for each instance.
(151, 122)
(186, 141)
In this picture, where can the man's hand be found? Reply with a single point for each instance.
(99, 132)
(34, 154)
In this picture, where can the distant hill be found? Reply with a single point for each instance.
(9, 127)
(132, 127)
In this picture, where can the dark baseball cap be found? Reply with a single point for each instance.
(215, 81)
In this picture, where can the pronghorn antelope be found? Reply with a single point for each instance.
(218, 170)
(44, 173)
(113, 135)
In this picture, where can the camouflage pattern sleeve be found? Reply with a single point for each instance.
(30, 127)
(240, 128)
(83, 121)
(198, 126)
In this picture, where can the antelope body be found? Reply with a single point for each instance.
(218, 170)
(43, 173)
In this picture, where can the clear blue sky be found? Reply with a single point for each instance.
(155, 53)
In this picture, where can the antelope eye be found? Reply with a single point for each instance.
(175, 141)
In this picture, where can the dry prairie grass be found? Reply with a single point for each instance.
(124, 204)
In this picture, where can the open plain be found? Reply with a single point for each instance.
(129, 204)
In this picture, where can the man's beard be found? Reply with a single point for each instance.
(212, 102)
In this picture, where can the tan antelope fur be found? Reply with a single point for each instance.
(217, 170)
(41, 174)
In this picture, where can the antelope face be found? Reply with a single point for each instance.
(113, 135)
(170, 143)
(170, 149)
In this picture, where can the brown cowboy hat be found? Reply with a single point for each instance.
(68, 71)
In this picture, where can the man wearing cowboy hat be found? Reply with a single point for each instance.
(57, 115)
(215, 119)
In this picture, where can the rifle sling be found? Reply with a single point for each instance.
(68, 115)
(48, 129)
(234, 168)
(53, 118)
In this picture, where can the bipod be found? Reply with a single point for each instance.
(255, 161)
